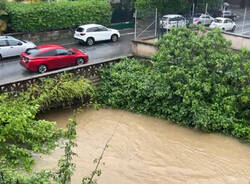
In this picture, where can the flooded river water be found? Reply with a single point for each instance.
(146, 150)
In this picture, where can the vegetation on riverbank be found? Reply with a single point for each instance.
(196, 80)
(21, 134)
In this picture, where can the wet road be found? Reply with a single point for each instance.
(242, 28)
(11, 70)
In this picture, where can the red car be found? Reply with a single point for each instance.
(51, 56)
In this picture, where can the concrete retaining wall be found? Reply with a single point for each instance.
(238, 41)
(44, 36)
(146, 47)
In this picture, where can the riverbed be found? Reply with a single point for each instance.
(147, 150)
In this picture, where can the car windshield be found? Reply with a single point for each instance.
(197, 15)
(164, 18)
(33, 52)
(217, 20)
(79, 29)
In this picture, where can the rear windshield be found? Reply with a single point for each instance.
(164, 18)
(197, 15)
(79, 29)
(217, 20)
(33, 52)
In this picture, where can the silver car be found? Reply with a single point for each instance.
(10, 46)
(201, 18)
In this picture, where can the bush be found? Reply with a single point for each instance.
(57, 15)
(196, 80)
(20, 131)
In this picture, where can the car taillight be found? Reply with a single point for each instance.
(169, 22)
(82, 34)
(26, 60)
(196, 20)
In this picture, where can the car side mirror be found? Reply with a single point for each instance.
(19, 43)
(72, 53)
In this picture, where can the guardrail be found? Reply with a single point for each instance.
(90, 71)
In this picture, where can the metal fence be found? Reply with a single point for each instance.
(147, 21)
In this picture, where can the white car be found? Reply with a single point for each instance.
(172, 20)
(91, 33)
(10, 46)
(201, 18)
(225, 24)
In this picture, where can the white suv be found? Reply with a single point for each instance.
(169, 21)
(10, 46)
(91, 33)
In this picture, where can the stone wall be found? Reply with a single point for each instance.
(44, 36)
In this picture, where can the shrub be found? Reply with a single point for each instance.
(57, 15)
(196, 80)
(20, 131)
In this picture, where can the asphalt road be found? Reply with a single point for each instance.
(242, 28)
(11, 70)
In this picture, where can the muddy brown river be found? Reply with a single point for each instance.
(146, 150)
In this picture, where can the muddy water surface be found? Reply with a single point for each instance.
(145, 150)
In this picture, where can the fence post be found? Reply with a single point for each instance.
(156, 21)
(135, 16)
(244, 19)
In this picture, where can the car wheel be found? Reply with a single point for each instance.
(42, 68)
(233, 28)
(223, 29)
(114, 38)
(80, 61)
(90, 41)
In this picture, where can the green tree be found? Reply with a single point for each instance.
(165, 6)
(3, 13)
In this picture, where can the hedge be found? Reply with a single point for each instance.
(46, 16)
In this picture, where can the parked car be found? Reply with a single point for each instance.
(201, 18)
(51, 56)
(228, 14)
(172, 20)
(10, 46)
(91, 33)
(225, 24)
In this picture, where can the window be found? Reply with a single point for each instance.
(226, 21)
(48, 53)
(33, 52)
(197, 15)
(217, 20)
(80, 29)
(174, 19)
(62, 52)
(102, 28)
(92, 29)
(14, 43)
(3, 43)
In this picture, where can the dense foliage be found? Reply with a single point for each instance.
(196, 80)
(20, 132)
(178, 6)
(57, 15)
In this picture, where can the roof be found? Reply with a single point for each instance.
(49, 47)
(221, 18)
(86, 26)
(172, 15)
(7, 37)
